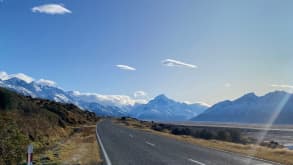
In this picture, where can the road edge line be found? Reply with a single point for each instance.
(195, 161)
(108, 162)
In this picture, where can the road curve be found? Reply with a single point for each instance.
(125, 146)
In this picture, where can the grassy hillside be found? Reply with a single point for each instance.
(24, 120)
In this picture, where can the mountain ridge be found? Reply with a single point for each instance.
(104, 105)
(252, 109)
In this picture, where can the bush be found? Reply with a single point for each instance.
(224, 135)
(205, 134)
(235, 136)
(157, 127)
(13, 142)
(181, 131)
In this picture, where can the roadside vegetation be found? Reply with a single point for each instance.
(80, 147)
(43, 123)
(225, 139)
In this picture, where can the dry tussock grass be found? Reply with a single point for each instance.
(81, 148)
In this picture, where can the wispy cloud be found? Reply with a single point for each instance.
(125, 67)
(176, 63)
(108, 100)
(282, 86)
(140, 94)
(52, 9)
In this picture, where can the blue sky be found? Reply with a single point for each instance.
(233, 47)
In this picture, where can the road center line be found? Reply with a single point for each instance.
(151, 144)
(130, 135)
(107, 160)
(197, 162)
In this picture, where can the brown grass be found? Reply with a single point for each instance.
(283, 156)
(82, 148)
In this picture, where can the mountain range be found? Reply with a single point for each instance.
(159, 108)
(275, 107)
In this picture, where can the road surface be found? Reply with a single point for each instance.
(126, 146)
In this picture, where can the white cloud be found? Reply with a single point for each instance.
(140, 94)
(125, 67)
(116, 100)
(285, 86)
(51, 9)
(176, 63)
(46, 82)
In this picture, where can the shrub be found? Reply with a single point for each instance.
(205, 134)
(13, 142)
(181, 131)
(157, 127)
(224, 135)
(235, 136)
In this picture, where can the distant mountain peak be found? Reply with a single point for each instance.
(161, 97)
(250, 94)
(277, 92)
(247, 97)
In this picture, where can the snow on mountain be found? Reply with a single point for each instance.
(163, 108)
(116, 105)
(44, 82)
(160, 108)
(21, 76)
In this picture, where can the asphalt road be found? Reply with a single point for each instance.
(125, 146)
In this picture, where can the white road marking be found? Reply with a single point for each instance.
(130, 135)
(107, 160)
(197, 162)
(151, 144)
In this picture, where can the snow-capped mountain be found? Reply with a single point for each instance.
(161, 108)
(275, 106)
(114, 105)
